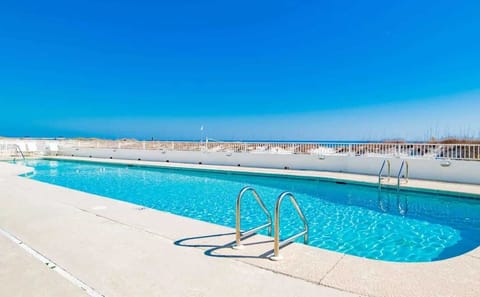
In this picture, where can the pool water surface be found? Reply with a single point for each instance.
(353, 219)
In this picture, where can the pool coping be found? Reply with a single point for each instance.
(327, 268)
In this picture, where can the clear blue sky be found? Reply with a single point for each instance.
(243, 69)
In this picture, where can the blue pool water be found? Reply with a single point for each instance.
(352, 219)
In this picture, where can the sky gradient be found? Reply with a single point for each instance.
(286, 70)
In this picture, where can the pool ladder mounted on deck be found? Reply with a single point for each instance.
(238, 233)
(380, 173)
(277, 243)
(19, 150)
(403, 167)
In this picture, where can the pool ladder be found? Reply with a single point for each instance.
(380, 173)
(403, 167)
(19, 150)
(238, 233)
(277, 244)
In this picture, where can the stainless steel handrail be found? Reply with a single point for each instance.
(20, 151)
(380, 177)
(277, 244)
(238, 233)
(405, 176)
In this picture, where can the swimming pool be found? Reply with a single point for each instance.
(352, 219)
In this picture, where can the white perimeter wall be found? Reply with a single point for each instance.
(431, 169)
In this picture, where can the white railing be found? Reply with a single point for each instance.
(401, 150)
(11, 148)
(8, 151)
(460, 151)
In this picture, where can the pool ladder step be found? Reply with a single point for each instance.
(277, 244)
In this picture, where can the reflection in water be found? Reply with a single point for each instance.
(402, 204)
(385, 199)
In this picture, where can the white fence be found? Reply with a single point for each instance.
(17, 148)
(402, 150)
(33, 147)
(8, 150)
(427, 160)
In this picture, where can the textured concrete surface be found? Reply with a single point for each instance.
(121, 249)
(23, 275)
(457, 276)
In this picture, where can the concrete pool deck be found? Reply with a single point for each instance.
(121, 249)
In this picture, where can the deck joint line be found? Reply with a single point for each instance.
(51, 265)
(331, 269)
(111, 220)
